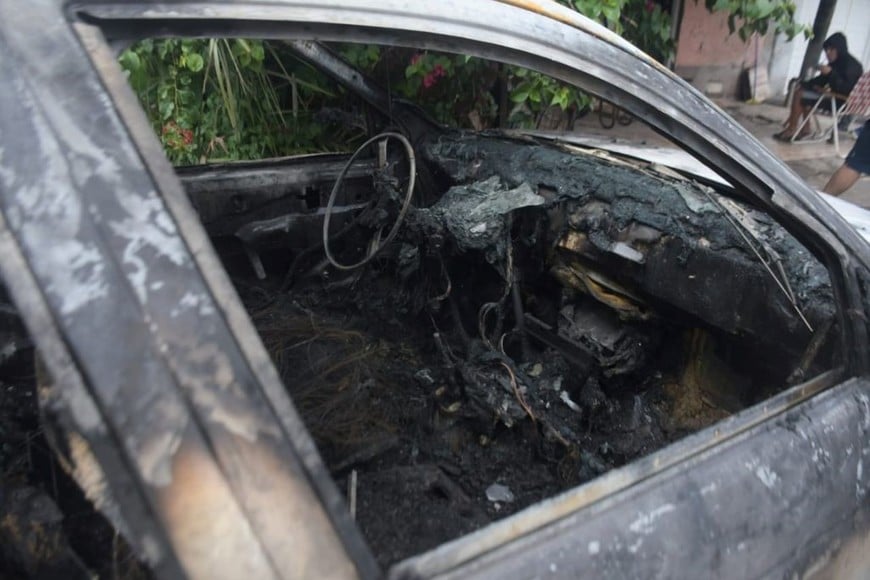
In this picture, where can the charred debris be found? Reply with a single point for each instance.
(545, 314)
(48, 528)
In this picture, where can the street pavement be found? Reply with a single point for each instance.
(814, 162)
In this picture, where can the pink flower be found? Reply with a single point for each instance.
(438, 71)
(650, 5)
(429, 80)
(416, 58)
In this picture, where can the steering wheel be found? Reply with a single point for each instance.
(377, 243)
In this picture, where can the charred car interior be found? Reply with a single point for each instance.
(535, 316)
(467, 323)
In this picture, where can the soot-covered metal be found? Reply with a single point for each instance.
(545, 316)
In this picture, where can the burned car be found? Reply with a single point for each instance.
(517, 355)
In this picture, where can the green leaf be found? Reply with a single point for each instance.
(166, 109)
(764, 8)
(611, 13)
(561, 98)
(520, 96)
(130, 61)
(162, 50)
(195, 62)
(186, 97)
(257, 52)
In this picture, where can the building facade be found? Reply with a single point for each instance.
(712, 59)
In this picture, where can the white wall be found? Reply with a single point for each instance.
(787, 55)
(851, 17)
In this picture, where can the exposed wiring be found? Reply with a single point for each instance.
(446, 294)
(744, 233)
(489, 307)
(519, 396)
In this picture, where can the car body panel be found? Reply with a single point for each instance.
(162, 373)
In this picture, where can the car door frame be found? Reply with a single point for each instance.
(603, 65)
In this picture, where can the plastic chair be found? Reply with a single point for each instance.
(857, 105)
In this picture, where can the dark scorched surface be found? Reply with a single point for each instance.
(675, 242)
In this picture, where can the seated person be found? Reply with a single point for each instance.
(840, 76)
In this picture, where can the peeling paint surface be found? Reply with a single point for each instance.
(707, 489)
(199, 303)
(767, 476)
(223, 399)
(594, 547)
(645, 523)
(149, 233)
(131, 303)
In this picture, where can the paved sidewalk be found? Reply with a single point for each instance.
(814, 162)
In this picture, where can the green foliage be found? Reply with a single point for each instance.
(362, 56)
(648, 27)
(218, 99)
(607, 12)
(455, 89)
(641, 22)
(533, 93)
(747, 17)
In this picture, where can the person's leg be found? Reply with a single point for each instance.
(842, 179)
(801, 104)
(805, 112)
(794, 115)
(857, 162)
(809, 98)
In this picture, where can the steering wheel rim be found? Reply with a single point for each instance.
(409, 151)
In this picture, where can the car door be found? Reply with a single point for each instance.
(202, 453)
